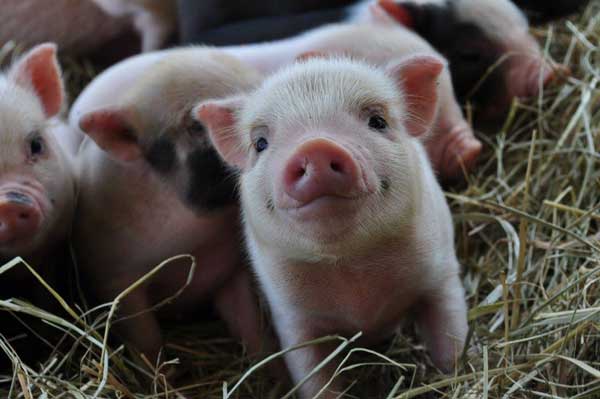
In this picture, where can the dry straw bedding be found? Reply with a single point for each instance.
(527, 225)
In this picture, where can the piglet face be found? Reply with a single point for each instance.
(36, 180)
(325, 148)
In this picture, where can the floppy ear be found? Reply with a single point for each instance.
(38, 70)
(219, 117)
(417, 78)
(389, 12)
(113, 132)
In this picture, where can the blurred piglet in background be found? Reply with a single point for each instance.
(152, 187)
(85, 26)
(37, 178)
(345, 222)
(492, 56)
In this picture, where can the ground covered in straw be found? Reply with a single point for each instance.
(527, 224)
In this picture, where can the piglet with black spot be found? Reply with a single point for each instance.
(152, 187)
(345, 222)
(492, 56)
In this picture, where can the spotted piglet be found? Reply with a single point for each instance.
(345, 222)
(492, 56)
(153, 187)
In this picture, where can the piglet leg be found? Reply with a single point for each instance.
(454, 150)
(143, 330)
(237, 304)
(302, 361)
(442, 323)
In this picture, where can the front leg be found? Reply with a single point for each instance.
(301, 362)
(442, 322)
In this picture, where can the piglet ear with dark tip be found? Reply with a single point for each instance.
(389, 12)
(113, 132)
(219, 117)
(38, 70)
(417, 78)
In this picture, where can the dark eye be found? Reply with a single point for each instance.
(196, 127)
(261, 144)
(377, 122)
(36, 146)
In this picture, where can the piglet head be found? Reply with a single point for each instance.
(36, 180)
(174, 149)
(325, 147)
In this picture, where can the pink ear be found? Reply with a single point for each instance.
(219, 118)
(112, 132)
(417, 77)
(38, 70)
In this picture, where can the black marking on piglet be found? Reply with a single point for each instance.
(18, 198)
(470, 52)
(385, 184)
(161, 155)
(211, 184)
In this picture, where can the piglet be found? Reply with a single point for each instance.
(345, 222)
(37, 183)
(153, 187)
(492, 56)
(155, 20)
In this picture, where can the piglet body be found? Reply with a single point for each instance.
(493, 58)
(345, 222)
(83, 27)
(152, 187)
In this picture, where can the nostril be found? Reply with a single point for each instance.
(23, 216)
(336, 167)
(300, 172)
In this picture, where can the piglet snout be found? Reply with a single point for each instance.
(20, 218)
(322, 168)
(541, 74)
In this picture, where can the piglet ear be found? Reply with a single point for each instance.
(417, 77)
(219, 117)
(390, 12)
(112, 131)
(38, 70)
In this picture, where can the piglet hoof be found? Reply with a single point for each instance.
(461, 154)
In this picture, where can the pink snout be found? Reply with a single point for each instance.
(322, 168)
(536, 74)
(20, 217)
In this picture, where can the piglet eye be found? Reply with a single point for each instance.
(261, 144)
(36, 146)
(377, 122)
